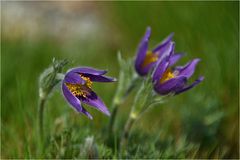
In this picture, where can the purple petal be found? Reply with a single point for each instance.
(160, 69)
(200, 79)
(74, 101)
(174, 58)
(142, 50)
(100, 78)
(88, 70)
(84, 111)
(170, 86)
(188, 69)
(73, 78)
(144, 70)
(166, 51)
(96, 102)
(163, 43)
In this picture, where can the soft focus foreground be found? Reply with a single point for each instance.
(201, 123)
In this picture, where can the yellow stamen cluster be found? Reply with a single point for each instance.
(150, 58)
(167, 75)
(80, 89)
(87, 80)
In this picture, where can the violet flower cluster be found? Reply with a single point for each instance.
(157, 66)
(159, 62)
(166, 78)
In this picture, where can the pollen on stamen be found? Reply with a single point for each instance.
(81, 90)
(167, 75)
(150, 58)
(87, 80)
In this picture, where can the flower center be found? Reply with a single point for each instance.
(150, 58)
(88, 81)
(167, 75)
(80, 89)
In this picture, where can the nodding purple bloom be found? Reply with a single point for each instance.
(77, 88)
(146, 59)
(168, 80)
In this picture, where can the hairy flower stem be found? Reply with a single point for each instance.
(140, 104)
(40, 117)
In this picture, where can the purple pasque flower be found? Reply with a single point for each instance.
(168, 80)
(146, 59)
(77, 88)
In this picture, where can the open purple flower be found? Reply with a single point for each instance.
(77, 88)
(168, 80)
(146, 59)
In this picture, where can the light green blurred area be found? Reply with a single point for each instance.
(90, 34)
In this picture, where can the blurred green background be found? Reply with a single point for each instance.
(90, 34)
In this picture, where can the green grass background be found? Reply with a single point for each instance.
(207, 115)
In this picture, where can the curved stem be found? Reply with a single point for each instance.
(40, 117)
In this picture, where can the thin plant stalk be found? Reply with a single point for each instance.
(134, 116)
(141, 102)
(41, 107)
(47, 81)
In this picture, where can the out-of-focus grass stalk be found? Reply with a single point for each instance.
(125, 136)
